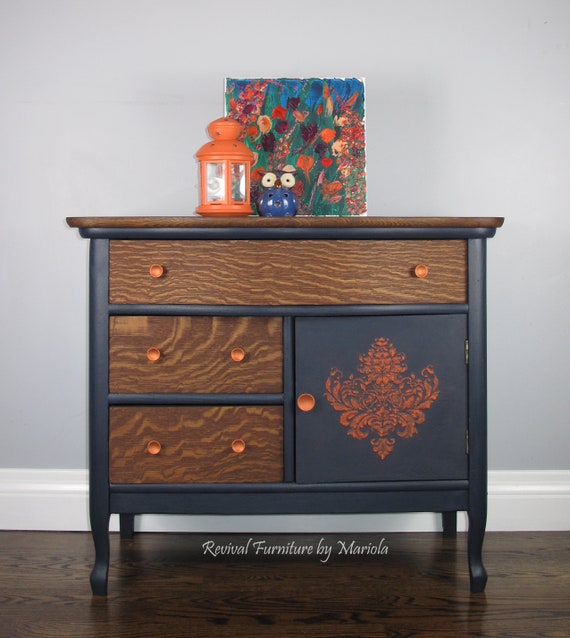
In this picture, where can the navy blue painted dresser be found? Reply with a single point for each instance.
(287, 365)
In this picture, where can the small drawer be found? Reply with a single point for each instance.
(196, 354)
(289, 273)
(196, 444)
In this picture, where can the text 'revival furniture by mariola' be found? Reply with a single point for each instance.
(287, 365)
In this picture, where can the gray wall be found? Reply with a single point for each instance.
(104, 103)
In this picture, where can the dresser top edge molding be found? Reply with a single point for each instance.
(195, 222)
(193, 227)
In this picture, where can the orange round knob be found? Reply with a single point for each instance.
(156, 271)
(153, 447)
(421, 271)
(306, 402)
(153, 354)
(237, 354)
(238, 446)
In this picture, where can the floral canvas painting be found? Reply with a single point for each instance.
(316, 126)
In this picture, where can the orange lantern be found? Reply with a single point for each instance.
(225, 167)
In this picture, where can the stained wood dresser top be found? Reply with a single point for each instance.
(196, 222)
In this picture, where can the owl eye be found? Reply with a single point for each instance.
(287, 180)
(268, 180)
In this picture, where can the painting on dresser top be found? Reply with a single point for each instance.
(315, 125)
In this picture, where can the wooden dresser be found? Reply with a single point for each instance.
(287, 365)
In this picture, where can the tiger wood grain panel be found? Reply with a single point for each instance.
(196, 444)
(284, 272)
(195, 354)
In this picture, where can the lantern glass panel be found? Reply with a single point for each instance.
(215, 181)
(238, 183)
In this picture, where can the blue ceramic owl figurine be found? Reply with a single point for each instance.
(277, 199)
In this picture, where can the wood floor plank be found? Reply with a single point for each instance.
(168, 585)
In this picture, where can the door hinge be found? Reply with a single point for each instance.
(467, 441)
(466, 352)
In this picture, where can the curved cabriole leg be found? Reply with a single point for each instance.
(100, 569)
(477, 572)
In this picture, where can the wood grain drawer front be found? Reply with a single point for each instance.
(196, 444)
(195, 354)
(283, 272)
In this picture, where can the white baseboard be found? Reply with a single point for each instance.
(33, 499)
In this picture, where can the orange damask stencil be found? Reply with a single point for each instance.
(382, 401)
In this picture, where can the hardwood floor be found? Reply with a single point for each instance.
(170, 585)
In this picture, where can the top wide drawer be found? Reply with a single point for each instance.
(287, 272)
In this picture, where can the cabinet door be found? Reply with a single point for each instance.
(390, 398)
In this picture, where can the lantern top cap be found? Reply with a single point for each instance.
(224, 128)
(225, 145)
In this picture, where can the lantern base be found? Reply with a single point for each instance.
(224, 210)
